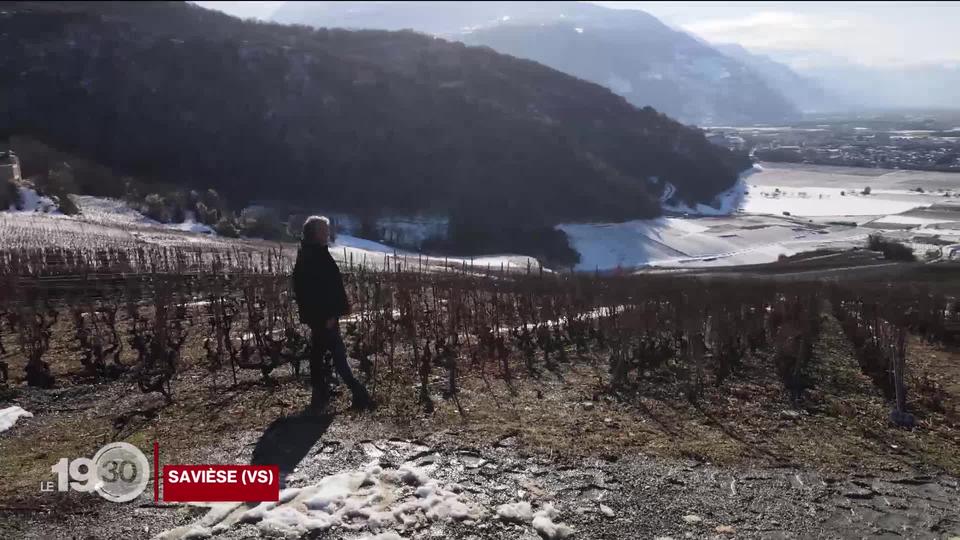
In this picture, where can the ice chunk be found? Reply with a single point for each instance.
(543, 523)
(516, 512)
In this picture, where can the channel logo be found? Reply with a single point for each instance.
(120, 472)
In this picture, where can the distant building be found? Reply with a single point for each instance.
(9, 167)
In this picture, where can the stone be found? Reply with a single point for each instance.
(692, 519)
(725, 529)
(859, 493)
(606, 510)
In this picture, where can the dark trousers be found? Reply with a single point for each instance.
(326, 339)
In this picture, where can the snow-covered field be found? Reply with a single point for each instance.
(776, 211)
(700, 242)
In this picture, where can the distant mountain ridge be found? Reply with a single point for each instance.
(628, 51)
(366, 122)
(804, 92)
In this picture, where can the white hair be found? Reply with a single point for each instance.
(310, 225)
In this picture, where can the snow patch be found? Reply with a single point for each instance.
(374, 499)
(385, 536)
(578, 30)
(898, 219)
(723, 204)
(543, 523)
(34, 202)
(110, 211)
(520, 512)
(10, 415)
(820, 201)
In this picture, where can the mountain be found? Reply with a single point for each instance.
(629, 51)
(860, 87)
(367, 122)
(908, 87)
(806, 93)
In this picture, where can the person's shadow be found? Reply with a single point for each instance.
(287, 440)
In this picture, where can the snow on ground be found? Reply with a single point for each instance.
(748, 223)
(350, 249)
(542, 521)
(724, 204)
(743, 225)
(855, 178)
(34, 202)
(820, 192)
(720, 241)
(409, 231)
(191, 226)
(904, 219)
(820, 201)
(110, 211)
(377, 500)
(111, 223)
(107, 211)
(10, 415)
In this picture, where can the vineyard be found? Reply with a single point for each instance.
(150, 314)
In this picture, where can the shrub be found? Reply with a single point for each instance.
(262, 223)
(866, 191)
(66, 205)
(155, 208)
(177, 213)
(227, 227)
(58, 184)
(892, 250)
(205, 214)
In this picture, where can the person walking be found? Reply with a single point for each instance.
(321, 301)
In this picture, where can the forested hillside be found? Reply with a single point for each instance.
(368, 121)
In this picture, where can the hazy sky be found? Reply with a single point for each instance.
(874, 33)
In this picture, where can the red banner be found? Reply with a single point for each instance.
(221, 483)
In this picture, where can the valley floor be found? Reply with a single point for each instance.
(778, 211)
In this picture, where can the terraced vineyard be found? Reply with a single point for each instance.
(131, 311)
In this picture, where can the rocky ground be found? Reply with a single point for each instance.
(634, 496)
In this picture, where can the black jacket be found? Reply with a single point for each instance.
(318, 285)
